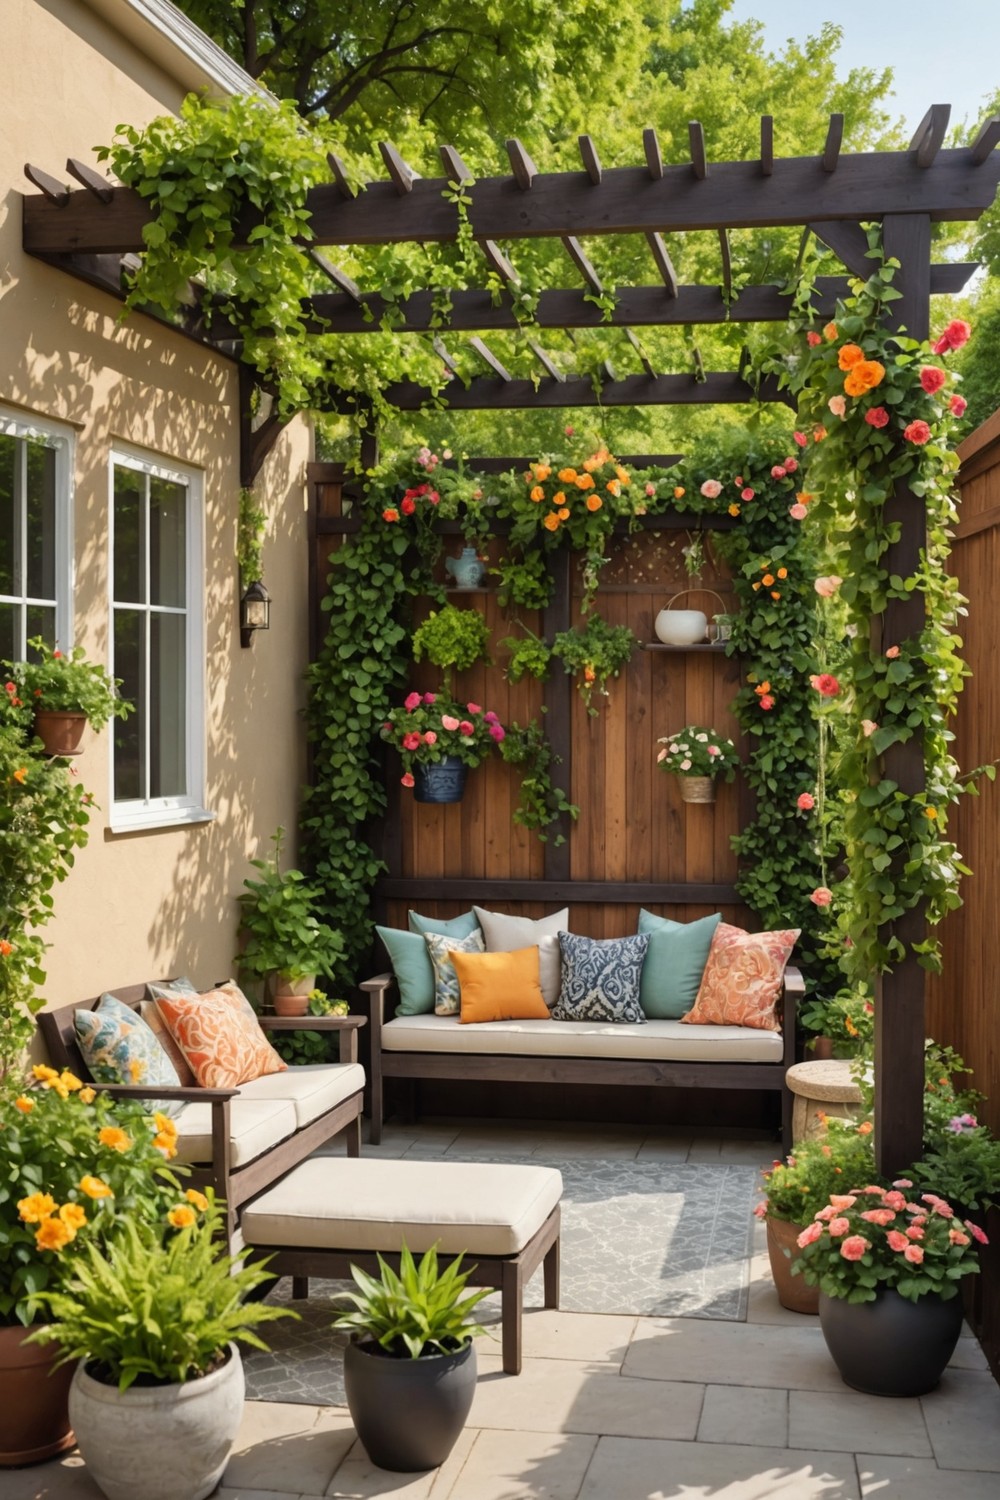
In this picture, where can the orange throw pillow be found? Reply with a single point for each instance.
(500, 986)
(219, 1035)
(742, 979)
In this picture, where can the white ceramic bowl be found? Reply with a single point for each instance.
(681, 627)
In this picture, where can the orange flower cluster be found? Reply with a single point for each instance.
(581, 479)
(63, 1084)
(770, 577)
(57, 1226)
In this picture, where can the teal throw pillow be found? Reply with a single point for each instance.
(460, 927)
(119, 1047)
(411, 965)
(675, 962)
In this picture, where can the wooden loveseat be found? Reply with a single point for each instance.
(665, 1054)
(241, 1140)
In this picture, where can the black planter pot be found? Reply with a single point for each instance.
(409, 1412)
(891, 1347)
(442, 781)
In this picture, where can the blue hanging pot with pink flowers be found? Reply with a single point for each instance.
(440, 780)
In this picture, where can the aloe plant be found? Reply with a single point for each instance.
(420, 1311)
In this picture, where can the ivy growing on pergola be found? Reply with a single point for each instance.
(95, 232)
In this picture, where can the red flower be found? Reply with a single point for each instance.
(957, 406)
(821, 896)
(434, 497)
(778, 472)
(390, 513)
(799, 437)
(806, 802)
(932, 378)
(825, 684)
(877, 416)
(790, 465)
(766, 701)
(465, 727)
(406, 779)
(747, 494)
(812, 339)
(954, 336)
(917, 432)
(408, 506)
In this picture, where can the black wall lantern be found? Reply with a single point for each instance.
(255, 612)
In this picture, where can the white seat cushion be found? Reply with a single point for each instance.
(311, 1088)
(483, 1208)
(662, 1041)
(254, 1126)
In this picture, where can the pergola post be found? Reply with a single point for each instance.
(899, 1002)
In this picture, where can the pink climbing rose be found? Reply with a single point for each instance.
(711, 489)
(954, 336)
(805, 802)
(448, 721)
(827, 585)
(917, 432)
(932, 378)
(957, 405)
(821, 896)
(412, 701)
(406, 779)
(877, 416)
(837, 405)
(798, 511)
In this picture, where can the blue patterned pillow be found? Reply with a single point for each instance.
(600, 978)
(119, 1047)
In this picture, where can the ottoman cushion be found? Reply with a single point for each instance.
(484, 1208)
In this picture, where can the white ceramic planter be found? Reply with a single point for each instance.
(158, 1442)
(681, 627)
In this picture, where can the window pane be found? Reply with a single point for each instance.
(41, 521)
(129, 665)
(129, 572)
(167, 543)
(167, 716)
(9, 507)
(8, 632)
(41, 620)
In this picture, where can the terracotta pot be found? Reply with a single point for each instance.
(291, 1005)
(697, 789)
(821, 1048)
(794, 1292)
(284, 989)
(60, 733)
(34, 1417)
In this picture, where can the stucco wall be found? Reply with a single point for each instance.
(162, 901)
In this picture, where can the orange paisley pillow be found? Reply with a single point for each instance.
(742, 979)
(220, 1037)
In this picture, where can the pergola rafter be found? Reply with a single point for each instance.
(832, 194)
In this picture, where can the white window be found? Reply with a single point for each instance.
(157, 648)
(36, 578)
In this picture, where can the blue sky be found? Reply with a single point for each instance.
(940, 51)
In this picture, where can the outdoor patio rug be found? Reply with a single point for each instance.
(637, 1237)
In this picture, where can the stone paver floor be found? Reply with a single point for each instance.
(627, 1408)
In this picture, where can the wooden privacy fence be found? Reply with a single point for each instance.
(964, 1000)
(635, 842)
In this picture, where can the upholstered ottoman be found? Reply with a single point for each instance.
(331, 1212)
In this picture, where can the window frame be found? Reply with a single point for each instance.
(62, 440)
(128, 815)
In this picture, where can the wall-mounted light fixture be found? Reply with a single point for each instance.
(255, 612)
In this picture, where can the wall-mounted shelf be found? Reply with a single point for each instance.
(696, 647)
(457, 588)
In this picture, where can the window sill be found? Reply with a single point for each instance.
(147, 820)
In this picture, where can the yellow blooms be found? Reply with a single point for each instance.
(181, 1217)
(44, 1074)
(95, 1188)
(679, 492)
(53, 1234)
(559, 498)
(136, 1069)
(73, 1216)
(551, 521)
(114, 1137)
(782, 572)
(734, 510)
(623, 474)
(165, 1139)
(864, 376)
(24, 1104)
(198, 1199)
(567, 476)
(594, 502)
(36, 1208)
(540, 471)
(88, 1095)
(563, 513)
(166, 1123)
(537, 494)
(70, 1081)
(930, 812)
(585, 482)
(614, 487)
(830, 332)
(20, 775)
(63, 1083)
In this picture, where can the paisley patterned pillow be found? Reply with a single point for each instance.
(600, 978)
(118, 1047)
(447, 991)
(742, 979)
(219, 1035)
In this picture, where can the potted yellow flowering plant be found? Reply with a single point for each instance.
(75, 1163)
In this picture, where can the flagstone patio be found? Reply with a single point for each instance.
(613, 1407)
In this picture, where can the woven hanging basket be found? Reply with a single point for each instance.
(697, 789)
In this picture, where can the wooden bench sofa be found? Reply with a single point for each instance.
(665, 1054)
(241, 1140)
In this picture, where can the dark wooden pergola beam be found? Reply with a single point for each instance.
(719, 387)
(959, 184)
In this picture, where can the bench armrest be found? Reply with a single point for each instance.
(172, 1093)
(348, 1026)
(794, 989)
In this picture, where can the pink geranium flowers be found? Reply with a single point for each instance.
(428, 728)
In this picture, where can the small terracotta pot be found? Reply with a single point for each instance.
(291, 1005)
(60, 733)
(34, 1415)
(794, 1292)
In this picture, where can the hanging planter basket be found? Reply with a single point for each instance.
(697, 789)
(60, 733)
(441, 781)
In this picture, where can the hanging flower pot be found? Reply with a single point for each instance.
(60, 733)
(892, 1346)
(440, 781)
(697, 789)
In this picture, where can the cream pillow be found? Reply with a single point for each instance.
(505, 934)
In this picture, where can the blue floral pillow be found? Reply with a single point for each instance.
(600, 978)
(119, 1047)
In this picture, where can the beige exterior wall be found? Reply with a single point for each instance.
(161, 901)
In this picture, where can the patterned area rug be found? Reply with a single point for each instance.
(637, 1237)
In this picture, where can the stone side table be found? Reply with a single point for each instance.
(821, 1088)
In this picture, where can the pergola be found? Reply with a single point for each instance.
(95, 231)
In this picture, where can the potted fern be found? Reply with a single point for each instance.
(410, 1367)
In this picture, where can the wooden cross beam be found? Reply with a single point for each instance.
(489, 358)
(717, 387)
(664, 264)
(591, 160)
(928, 137)
(766, 145)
